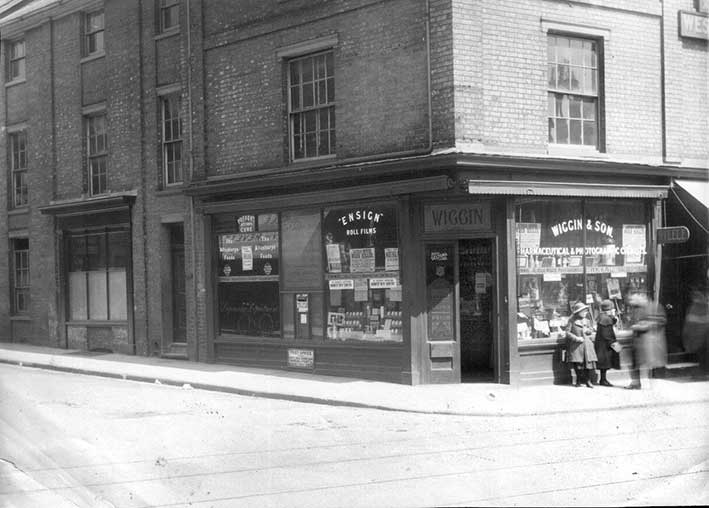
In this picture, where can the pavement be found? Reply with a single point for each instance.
(471, 399)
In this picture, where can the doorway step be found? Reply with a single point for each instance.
(681, 365)
(176, 351)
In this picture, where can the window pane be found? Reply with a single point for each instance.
(575, 132)
(576, 52)
(329, 60)
(118, 294)
(590, 135)
(589, 109)
(576, 79)
(320, 67)
(587, 53)
(308, 91)
(307, 64)
(552, 130)
(77, 253)
(324, 118)
(575, 107)
(322, 92)
(294, 97)
(310, 147)
(98, 295)
(589, 81)
(118, 250)
(552, 75)
(562, 106)
(562, 131)
(250, 308)
(563, 80)
(96, 251)
(310, 121)
(330, 90)
(77, 295)
(324, 143)
(563, 50)
(294, 73)
(551, 49)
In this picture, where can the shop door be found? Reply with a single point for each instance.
(476, 309)
(179, 307)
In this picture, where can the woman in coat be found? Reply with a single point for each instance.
(605, 336)
(579, 344)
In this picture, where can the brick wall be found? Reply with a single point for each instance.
(380, 82)
(506, 109)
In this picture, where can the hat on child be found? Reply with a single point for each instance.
(578, 307)
(606, 305)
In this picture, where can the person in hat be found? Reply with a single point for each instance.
(649, 347)
(579, 344)
(608, 358)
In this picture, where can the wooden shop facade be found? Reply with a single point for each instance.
(433, 269)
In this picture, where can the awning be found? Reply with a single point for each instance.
(526, 188)
(85, 206)
(693, 197)
(698, 190)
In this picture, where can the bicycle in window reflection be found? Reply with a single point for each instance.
(249, 319)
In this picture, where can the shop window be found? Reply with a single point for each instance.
(573, 90)
(18, 168)
(570, 251)
(97, 276)
(97, 153)
(171, 106)
(248, 278)
(93, 33)
(168, 15)
(311, 105)
(20, 275)
(16, 61)
(363, 274)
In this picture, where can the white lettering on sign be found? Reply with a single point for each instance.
(577, 225)
(357, 215)
(302, 358)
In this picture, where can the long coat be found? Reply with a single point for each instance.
(605, 336)
(579, 345)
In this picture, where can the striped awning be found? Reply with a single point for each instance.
(528, 188)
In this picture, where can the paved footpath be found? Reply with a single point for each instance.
(484, 399)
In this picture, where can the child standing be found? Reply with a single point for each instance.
(579, 344)
(605, 336)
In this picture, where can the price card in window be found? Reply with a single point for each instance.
(361, 290)
(333, 258)
(391, 259)
(362, 260)
(247, 258)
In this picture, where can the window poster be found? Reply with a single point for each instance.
(391, 259)
(249, 253)
(529, 236)
(634, 243)
(334, 263)
(247, 258)
(362, 260)
(361, 290)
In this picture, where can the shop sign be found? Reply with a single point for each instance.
(694, 25)
(360, 222)
(301, 358)
(247, 223)
(576, 224)
(674, 234)
(457, 217)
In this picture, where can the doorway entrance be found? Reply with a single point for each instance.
(476, 283)
(177, 261)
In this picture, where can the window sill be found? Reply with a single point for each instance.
(172, 190)
(325, 159)
(97, 323)
(16, 81)
(21, 317)
(575, 151)
(170, 32)
(92, 57)
(19, 211)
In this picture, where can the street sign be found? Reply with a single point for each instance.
(674, 234)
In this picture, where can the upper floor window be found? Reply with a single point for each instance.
(16, 60)
(172, 138)
(573, 90)
(93, 33)
(18, 168)
(168, 14)
(97, 153)
(20, 275)
(311, 105)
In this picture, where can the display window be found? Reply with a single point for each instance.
(362, 274)
(248, 278)
(576, 250)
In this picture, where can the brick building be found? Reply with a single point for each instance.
(409, 190)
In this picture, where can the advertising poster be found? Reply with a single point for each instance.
(341, 284)
(362, 260)
(634, 243)
(391, 259)
(361, 290)
(247, 258)
(333, 258)
(529, 236)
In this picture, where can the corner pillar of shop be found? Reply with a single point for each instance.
(510, 370)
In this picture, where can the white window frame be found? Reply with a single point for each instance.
(17, 151)
(91, 34)
(97, 154)
(16, 62)
(169, 141)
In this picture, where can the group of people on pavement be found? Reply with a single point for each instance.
(590, 347)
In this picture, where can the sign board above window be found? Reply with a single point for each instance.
(694, 25)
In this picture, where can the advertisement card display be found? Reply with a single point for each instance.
(361, 293)
(333, 258)
(391, 259)
(362, 260)
(247, 258)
